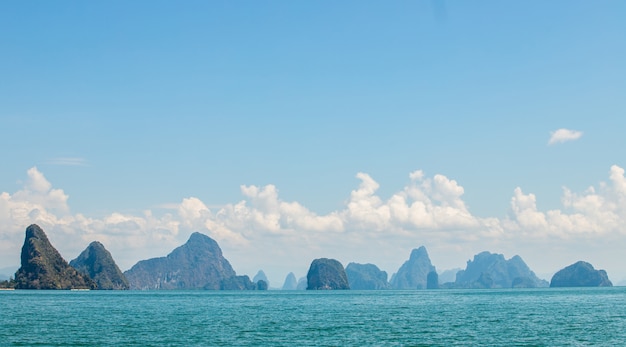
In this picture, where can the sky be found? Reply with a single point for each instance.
(289, 131)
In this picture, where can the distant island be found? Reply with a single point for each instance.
(413, 274)
(199, 264)
(327, 274)
(366, 277)
(580, 274)
(490, 270)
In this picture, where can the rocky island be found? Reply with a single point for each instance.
(413, 274)
(260, 281)
(290, 282)
(580, 274)
(326, 274)
(44, 268)
(366, 277)
(198, 264)
(492, 270)
(96, 262)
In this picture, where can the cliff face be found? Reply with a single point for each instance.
(491, 270)
(366, 277)
(44, 268)
(580, 274)
(198, 264)
(432, 280)
(413, 274)
(96, 262)
(326, 274)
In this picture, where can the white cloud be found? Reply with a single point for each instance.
(595, 211)
(564, 135)
(432, 204)
(264, 230)
(366, 210)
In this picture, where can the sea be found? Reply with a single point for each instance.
(511, 317)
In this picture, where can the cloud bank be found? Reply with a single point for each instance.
(264, 231)
(564, 135)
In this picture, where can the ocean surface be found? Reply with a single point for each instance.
(515, 317)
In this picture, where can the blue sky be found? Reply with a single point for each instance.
(129, 107)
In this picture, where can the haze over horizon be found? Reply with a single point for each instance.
(292, 131)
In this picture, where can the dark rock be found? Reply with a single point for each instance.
(198, 264)
(260, 276)
(580, 274)
(290, 282)
(261, 285)
(366, 277)
(413, 273)
(96, 262)
(490, 270)
(44, 268)
(326, 274)
(432, 280)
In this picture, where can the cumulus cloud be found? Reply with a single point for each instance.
(434, 204)
(564, 135)
(594, 211)
(263, 211)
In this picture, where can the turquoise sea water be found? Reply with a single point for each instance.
(533, 317)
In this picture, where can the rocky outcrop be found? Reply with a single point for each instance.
(290, 282)
(491, 270)
(326, 274)
(260, 276)
(261, 285)
(44, 268)
(198, 264)
(414, 272)
(366, 277)
(432, 280)
(96, 262)
(580, 274)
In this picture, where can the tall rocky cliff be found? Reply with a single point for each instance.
(491, 270)
(413, 274)
(44, 268)
(580, 274)
(198, 264)
(366, 277)
(96, 262)
(326, 274)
